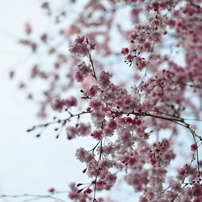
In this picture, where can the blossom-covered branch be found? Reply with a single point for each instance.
(137, 122)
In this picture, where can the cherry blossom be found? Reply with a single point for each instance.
(138, 123)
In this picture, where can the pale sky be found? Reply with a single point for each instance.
(27, 165)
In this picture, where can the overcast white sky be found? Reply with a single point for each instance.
(28, 165)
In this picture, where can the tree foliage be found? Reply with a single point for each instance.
(132, 81)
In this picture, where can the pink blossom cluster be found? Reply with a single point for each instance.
(79, 196)
(82, 71)
(59, 104)
(82, 46)
(81, 129)
(98, 169)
